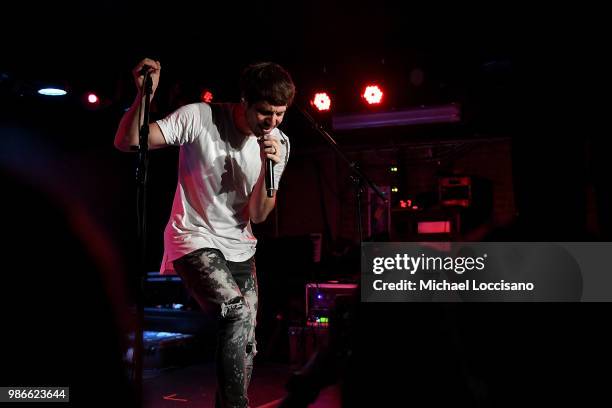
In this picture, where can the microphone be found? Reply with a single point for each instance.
(270, 187)
(144, 70)
(148, 85)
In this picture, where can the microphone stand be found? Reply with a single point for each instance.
(305, 384)
(357, 177)
(141, 184)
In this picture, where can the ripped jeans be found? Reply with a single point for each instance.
(209, 277)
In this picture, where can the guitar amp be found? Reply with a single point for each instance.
(455, 191)
(321, 298)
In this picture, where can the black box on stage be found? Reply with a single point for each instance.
(321, 298)
(165, 349)
(304, 341)
(164, 290)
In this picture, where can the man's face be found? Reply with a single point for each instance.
(262, 117)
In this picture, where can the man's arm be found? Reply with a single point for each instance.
(260, 205)
(127, 134)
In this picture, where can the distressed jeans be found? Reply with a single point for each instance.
(209, 277)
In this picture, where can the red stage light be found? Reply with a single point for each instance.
(321, 101)
(372, 94)
(206, 96)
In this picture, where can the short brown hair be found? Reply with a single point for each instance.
(267, 81)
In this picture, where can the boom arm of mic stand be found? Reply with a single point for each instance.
(352, 165)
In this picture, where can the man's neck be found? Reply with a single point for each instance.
(240, 120)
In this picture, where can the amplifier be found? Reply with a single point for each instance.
(455, 191)
(321, 298)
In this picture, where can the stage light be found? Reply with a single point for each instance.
(206, 96)
(393, 169)
(52, 91)
(321, 101)
(92, 98)
(372, 94)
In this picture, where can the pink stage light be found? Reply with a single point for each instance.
(92, 98)
(372, 94)
(321, 101)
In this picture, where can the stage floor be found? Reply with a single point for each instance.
(194, 386)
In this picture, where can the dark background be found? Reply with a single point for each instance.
(526, 79)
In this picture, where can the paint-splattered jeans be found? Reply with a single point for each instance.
(232, 286)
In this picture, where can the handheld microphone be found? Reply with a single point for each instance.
(269, 169)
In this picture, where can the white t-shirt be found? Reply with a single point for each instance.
(215, 181)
